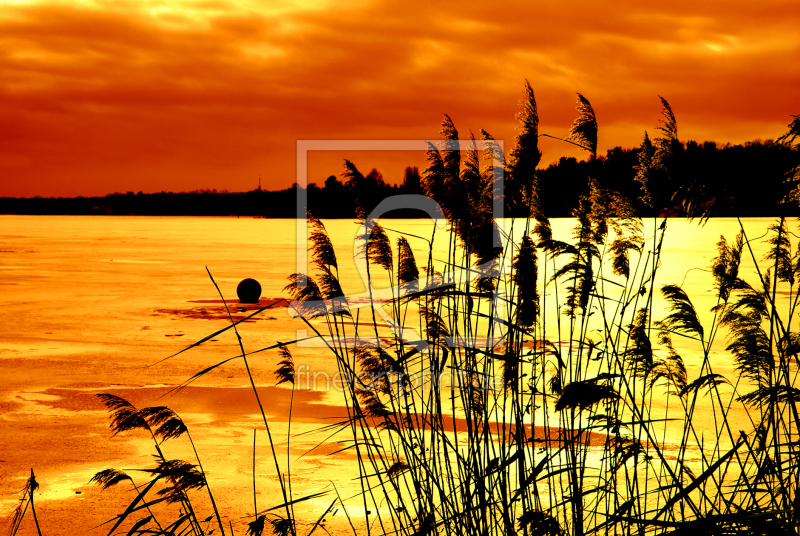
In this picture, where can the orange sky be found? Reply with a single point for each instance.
(100, 96)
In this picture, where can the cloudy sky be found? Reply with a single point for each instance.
(98, 96)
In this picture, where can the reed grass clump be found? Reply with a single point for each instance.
(540, 395)
(522, 384)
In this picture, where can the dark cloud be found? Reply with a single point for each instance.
(96, 98)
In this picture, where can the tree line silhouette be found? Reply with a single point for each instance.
(746, 180)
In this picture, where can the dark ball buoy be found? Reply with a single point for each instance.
(249, 291)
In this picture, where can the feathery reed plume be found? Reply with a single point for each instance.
(725, 266)
(749, 300)
(322, 249)
(556, 383)
(522, 182)
(683, 317)
(526, 277)
(646, 172)
(619, 250)
(791, 201)
(624, 448)
(598, 211)
(355, 182)
(436, 329)
(450, 148)
(164, 422)
(182, 476)
(324, 257)
(256, 527)
(640, 352)
(377, 366)
(471, 180)
(396, 468)
(750, 343)
(793, 132)
(109, 477)
(583, 131)
(667, 142)
(480, 241)
(378, 247)
(285, 372)
(525, 155)
(493, 152)
(442, 179)
(584, 394)
(407, 272)
(780, 252)
(331, 290)
(671, 370)
(434, 177)
(771, 395)
(537, 523)
(307, 295)
(467, 200)
(666, 147)
(476, 390)
(371, 406)
(511, 361)
(281, 526)
(708, 381)
(580, 276)
(124, 416)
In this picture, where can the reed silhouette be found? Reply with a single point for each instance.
(463, 457)
(516, 391)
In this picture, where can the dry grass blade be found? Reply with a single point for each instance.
(701, 479)
(31, 485)
(138, 503)
(321, 518)
(223, 330)
(295, 501)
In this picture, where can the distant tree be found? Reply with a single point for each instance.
(411, 180)
(332, 184)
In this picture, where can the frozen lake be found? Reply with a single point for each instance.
(94, 304)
